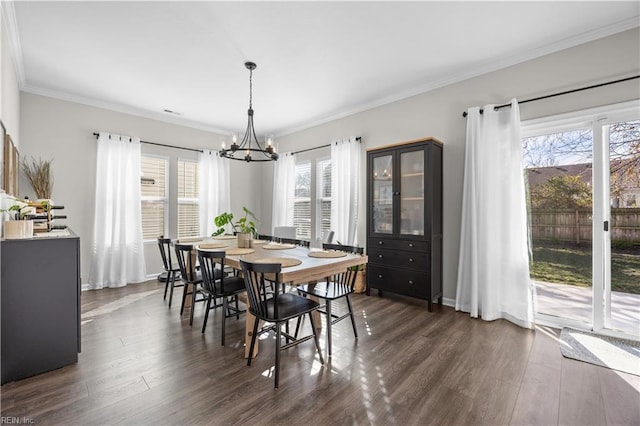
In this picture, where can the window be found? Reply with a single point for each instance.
(312, 200)
(302, 201)
(323, 213)
(153, 191)
(188, 210)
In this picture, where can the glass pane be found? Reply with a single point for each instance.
(558, 168)
(302, 201)
(153, 178)
(152, 220)
(624, 188)
(188, 220)
(412, 193)
(187, 179)
(382, 219)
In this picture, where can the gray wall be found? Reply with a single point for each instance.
(63, 131)
(9, 89)
(438, 113)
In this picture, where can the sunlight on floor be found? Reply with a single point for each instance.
(115, 305)
(366, 323)
(546, 330)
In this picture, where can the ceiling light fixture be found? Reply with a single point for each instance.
(249, 143)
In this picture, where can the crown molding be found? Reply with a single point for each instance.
(151, 115)
(11, 24)
(489, 66)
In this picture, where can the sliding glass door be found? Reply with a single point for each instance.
(583, 173)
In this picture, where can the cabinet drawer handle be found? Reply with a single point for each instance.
(410, 260)
(410, 282)
(379, 275)
(380, 242)
(380, 256)
(410, 244)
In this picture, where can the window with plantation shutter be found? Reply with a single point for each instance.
(302, 201)
(323, 214)
(153, 191)
(188, 210)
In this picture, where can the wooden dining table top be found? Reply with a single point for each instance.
(309, 269)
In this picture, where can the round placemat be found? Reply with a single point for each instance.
(209, 246)
(238, 251)
(259, 242)
(327, 254)
(285, 262)
(225, 237)
(278, 246)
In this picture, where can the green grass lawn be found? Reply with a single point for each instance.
(571, 264)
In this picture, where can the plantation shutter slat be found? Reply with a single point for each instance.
(153, 190)
(302, 201)
(188, 209)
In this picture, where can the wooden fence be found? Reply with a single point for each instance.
(575, 225)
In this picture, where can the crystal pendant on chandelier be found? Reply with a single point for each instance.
(249, 144)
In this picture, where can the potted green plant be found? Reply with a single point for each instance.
(244, 228)
(18, 223)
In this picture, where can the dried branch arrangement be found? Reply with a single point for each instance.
(39, 174)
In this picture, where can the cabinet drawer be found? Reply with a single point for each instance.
(398, 258)
(396, 244)
(410, 283)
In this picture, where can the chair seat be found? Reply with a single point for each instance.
(232, 285)
(325, 290)
(289, 306)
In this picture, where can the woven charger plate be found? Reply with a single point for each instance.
(259, 241)
(238, 251)
(278, 246)
(209, 246)
(327, 254)
(225, 237)
(284, 261)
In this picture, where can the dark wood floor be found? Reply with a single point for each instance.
(141, 364)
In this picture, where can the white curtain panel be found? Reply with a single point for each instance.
(214, 189)
(345, 181)
(493, 269)
(284, 183)
(117, 250)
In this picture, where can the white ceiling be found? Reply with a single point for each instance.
(316, 60)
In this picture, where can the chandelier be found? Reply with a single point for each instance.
(249, 144)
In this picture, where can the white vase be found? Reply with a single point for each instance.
(244, 240)
(14, 229)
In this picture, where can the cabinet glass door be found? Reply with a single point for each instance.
(412, 193)
(382, 194)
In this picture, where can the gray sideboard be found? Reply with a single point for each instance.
(40, 290)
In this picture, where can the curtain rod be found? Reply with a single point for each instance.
(495, 108)
(160, 144)
(358, 138)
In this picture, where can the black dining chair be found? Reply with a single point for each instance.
(171, 270)
(302, 243)
(335, 287)
(275, 308)
(216, 285)
(191, 277)
(268, 238)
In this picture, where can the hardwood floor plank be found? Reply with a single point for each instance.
(142, 364)
(581, 401)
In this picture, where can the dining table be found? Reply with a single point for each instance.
(299, 265)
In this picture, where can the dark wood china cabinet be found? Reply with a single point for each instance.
(404, 219)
